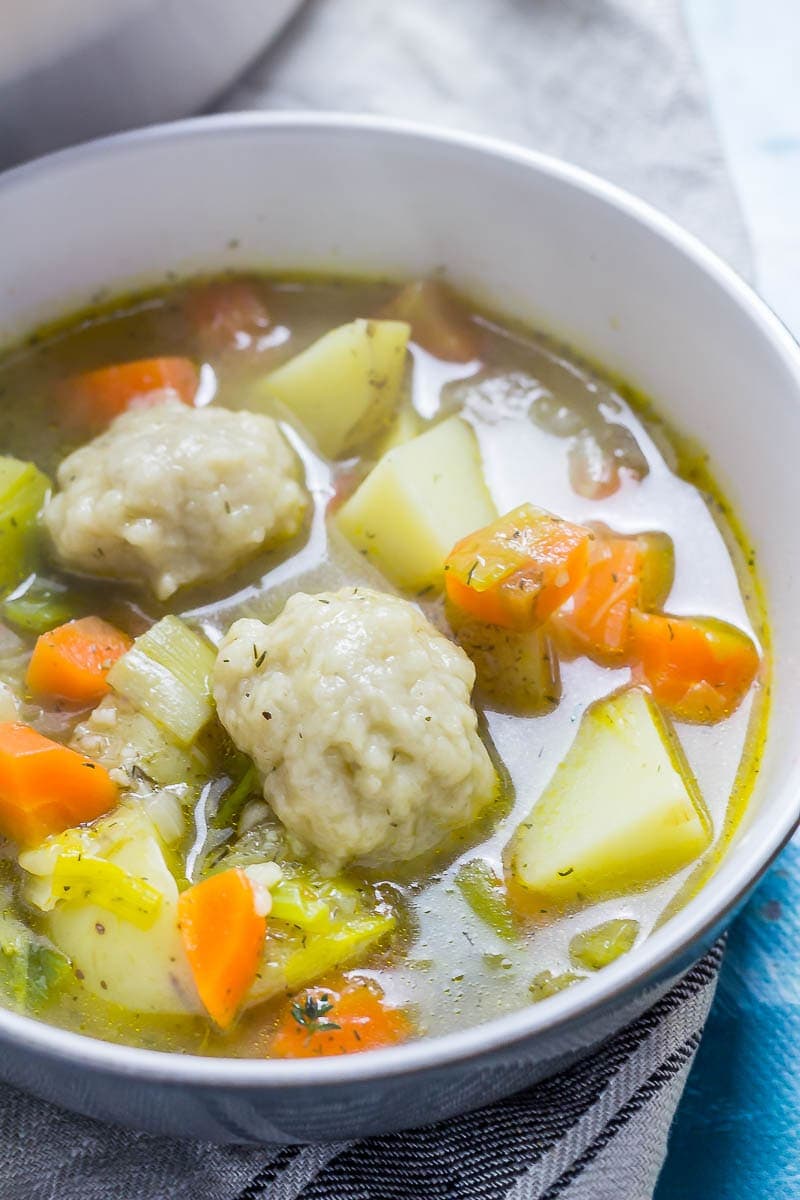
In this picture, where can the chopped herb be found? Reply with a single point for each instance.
(311, 1014)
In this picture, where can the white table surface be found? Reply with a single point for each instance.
(749, 52)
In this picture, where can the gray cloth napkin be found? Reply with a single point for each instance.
(611, 85)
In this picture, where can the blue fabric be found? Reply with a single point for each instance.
(737, 1132)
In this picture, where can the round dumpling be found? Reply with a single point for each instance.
(357, 713)
(172, 495)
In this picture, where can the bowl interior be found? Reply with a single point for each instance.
(533, 239)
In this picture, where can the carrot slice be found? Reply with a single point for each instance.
(518, 570)
(223, 935)
(71, 662)
(322, 1021)
(46, 787)
(439, 322)
(227, 314)
(699, 669)
(624, 573)
(92, 400)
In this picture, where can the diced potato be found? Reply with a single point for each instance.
(621, 812)
(603, 944)
(136, 963)
(515, 672)
(344, 387)
(406, 425)
(417, 503)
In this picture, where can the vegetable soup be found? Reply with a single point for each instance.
(369, 667)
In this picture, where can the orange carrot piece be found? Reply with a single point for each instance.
(518, 570)
(92, 400)
(597, 619)
(227, 314)
(46, 787)
(439, 322)
(72, 661)
(699, 669)
(223, 935)
(322, 1021)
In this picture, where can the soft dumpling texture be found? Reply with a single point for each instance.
(173, 495)
(357, 712)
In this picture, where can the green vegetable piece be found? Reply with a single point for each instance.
(316, 926)
(547, 984)
(658, 569)
(83, 879)
(312, 1014)
(296, 903)
(485, 895)
(335, 949)
(165, 675)
(31, 970)
(40, 605)
(596, 948)
(237, 795)
(23, 488)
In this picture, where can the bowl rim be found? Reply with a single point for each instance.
(697, 921)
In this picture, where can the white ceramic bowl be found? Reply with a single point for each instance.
(535, 239)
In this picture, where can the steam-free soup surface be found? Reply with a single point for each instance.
(370, 668)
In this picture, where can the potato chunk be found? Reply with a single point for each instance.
(515, 672)
(417, 502)
(111, 906)
(621, 812)
(344, 387)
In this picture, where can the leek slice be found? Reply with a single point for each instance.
(316, 926)
(546, 984)
(597, 947)
(335, 949)
(166, 675)
(40, 604)
(296, 904)
(23, 488)
(80, 878)
(486, 896)
(31, 970)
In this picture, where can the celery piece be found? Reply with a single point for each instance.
(335, 949)
(165, 675)
(296, 956)
(295, 903)
(41, 604)
(596, 948)
(237, 795)
(156, 756)
(87, 880)
(486, 896)
(31, 970)
(547, 984)
(23, 488)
